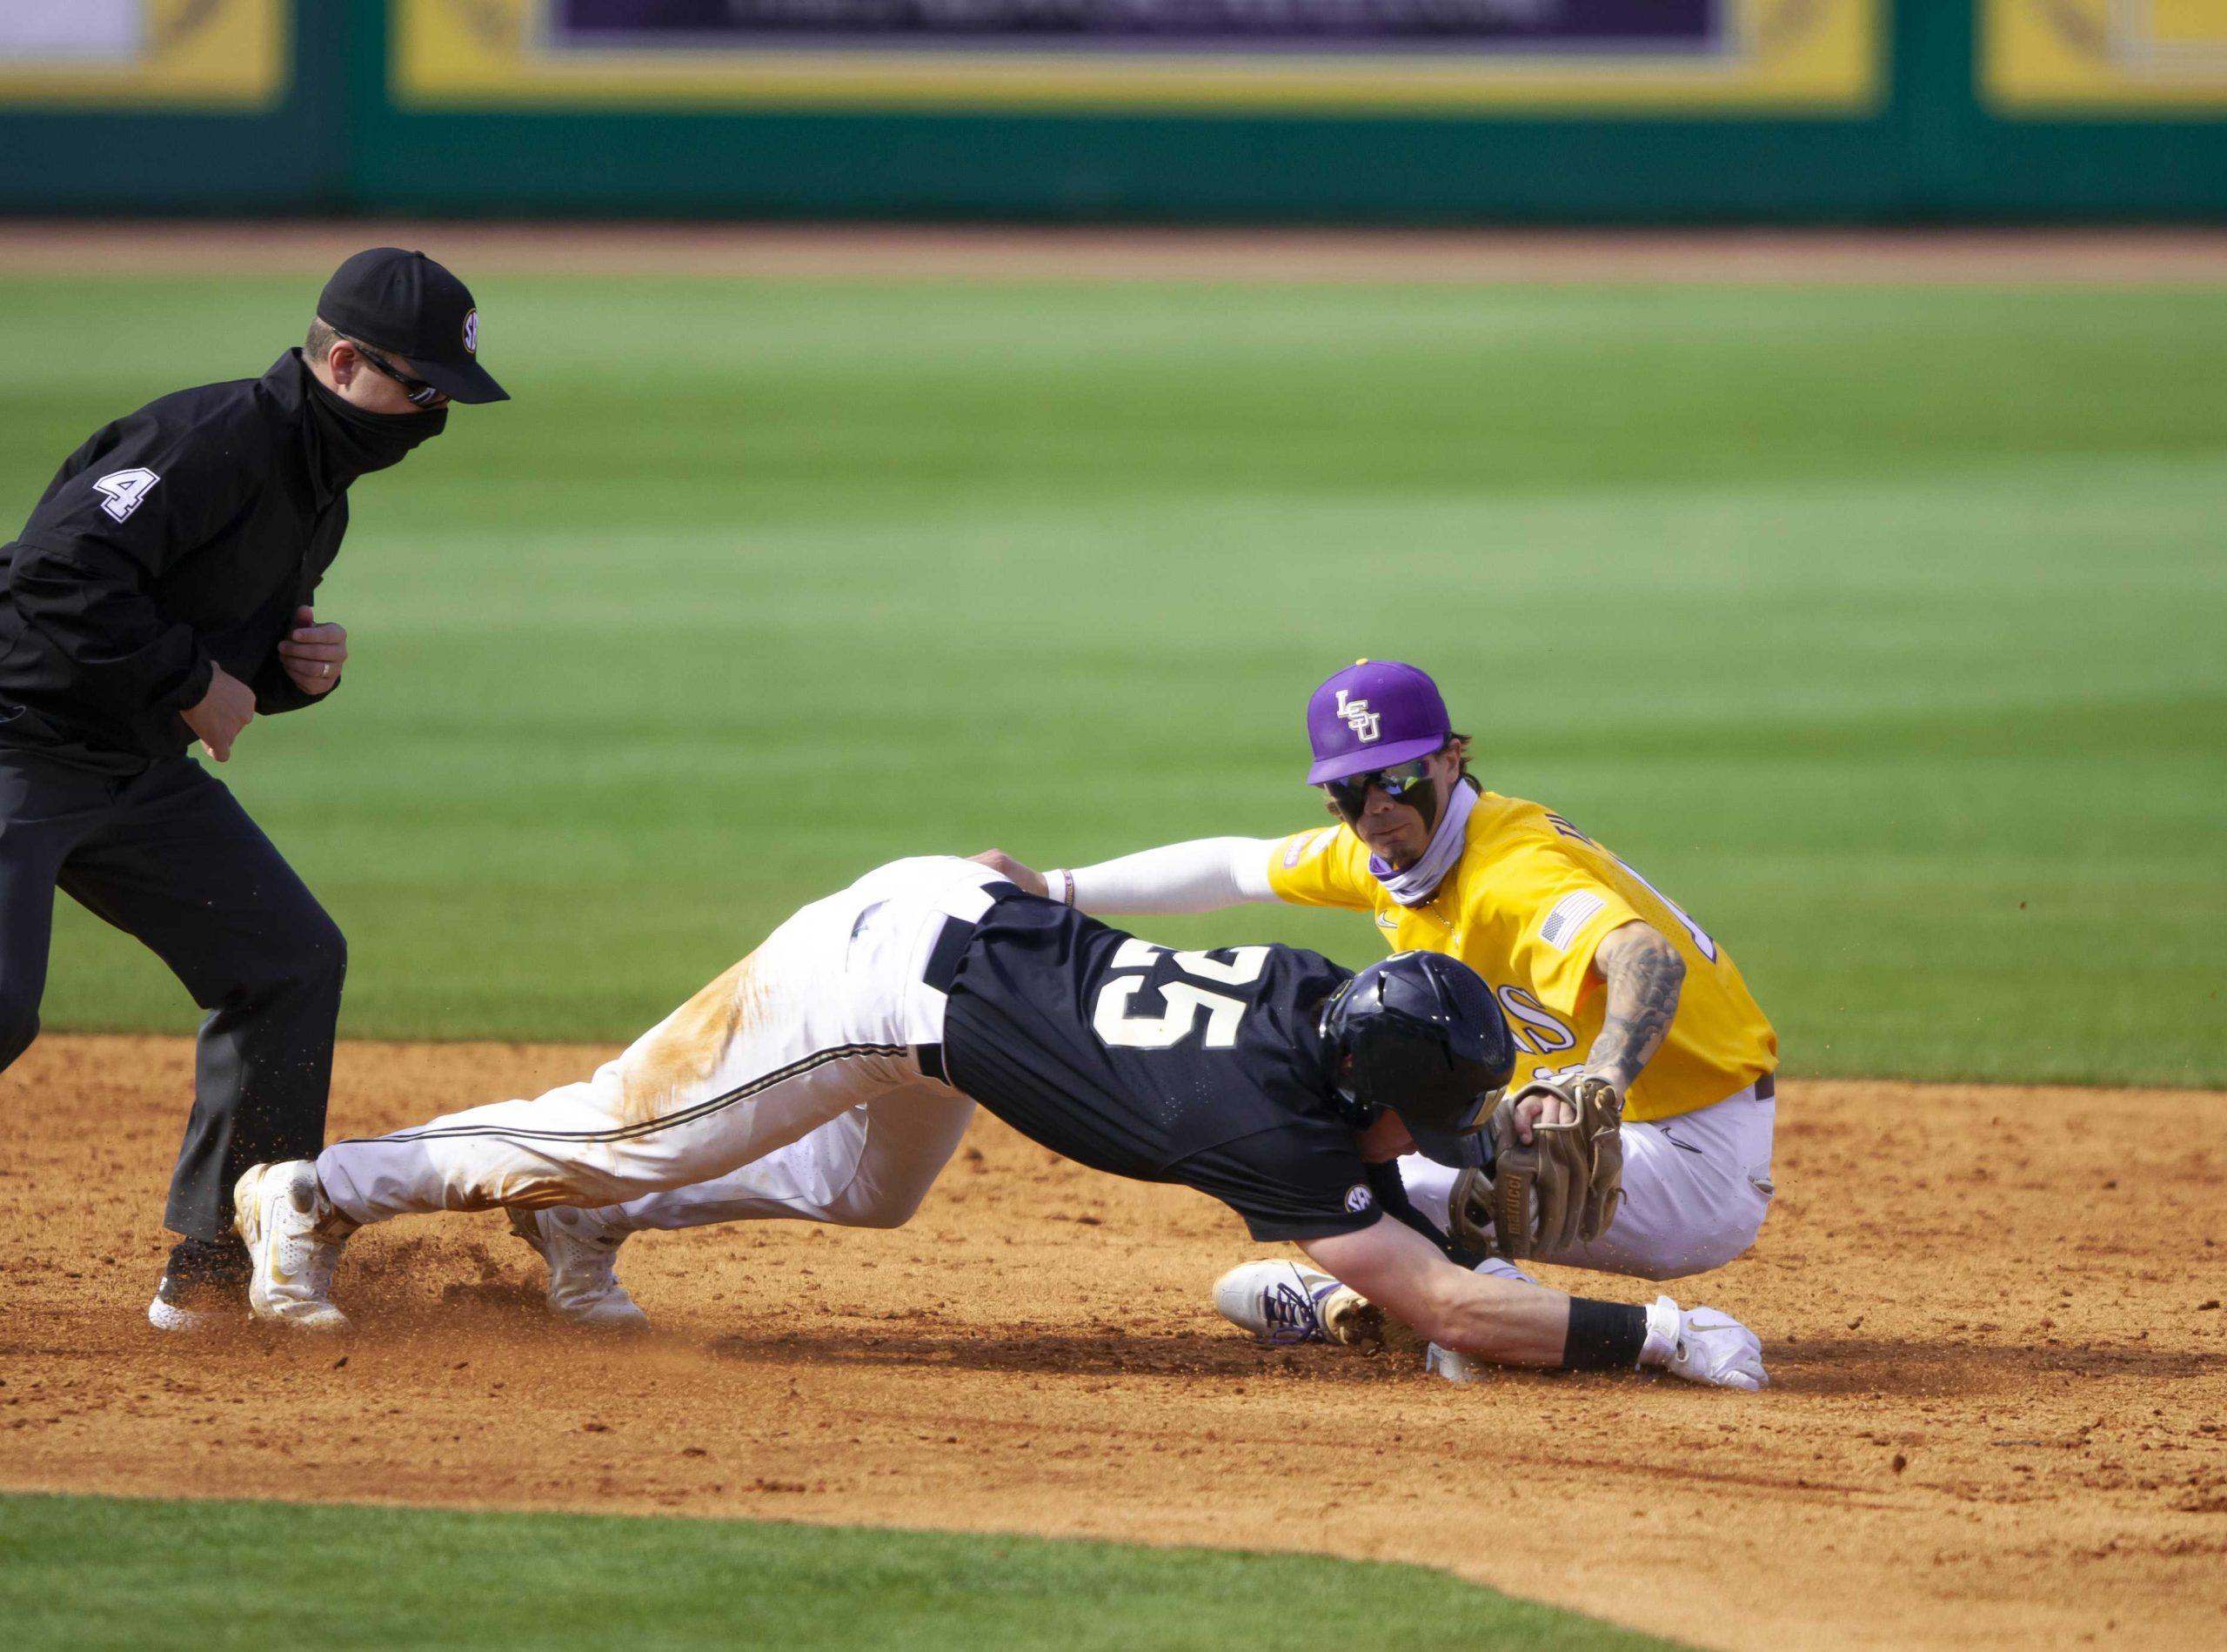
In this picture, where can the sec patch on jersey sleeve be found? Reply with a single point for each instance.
(1307, 845)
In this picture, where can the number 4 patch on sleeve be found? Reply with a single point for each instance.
(121, 491)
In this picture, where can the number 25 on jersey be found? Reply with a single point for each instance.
(1187, 1005)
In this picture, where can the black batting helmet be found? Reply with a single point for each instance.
(1425, 1038)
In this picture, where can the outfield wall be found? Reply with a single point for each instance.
(1638, 111)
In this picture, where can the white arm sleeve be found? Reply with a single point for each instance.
(1199, 876)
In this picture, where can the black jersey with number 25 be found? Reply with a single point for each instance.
(1200, 1067)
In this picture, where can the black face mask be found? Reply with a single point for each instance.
(350, 442)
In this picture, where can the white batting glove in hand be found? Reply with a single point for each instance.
(1705, 1346)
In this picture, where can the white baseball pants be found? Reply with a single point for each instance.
(810, 1041)
(1696, 1189)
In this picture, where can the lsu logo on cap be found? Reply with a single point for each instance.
(472, 333)
(1365, 723)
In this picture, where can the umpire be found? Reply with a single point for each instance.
(161, 592)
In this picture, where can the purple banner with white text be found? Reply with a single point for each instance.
(1683, 28)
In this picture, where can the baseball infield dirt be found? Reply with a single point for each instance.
(1993, 1316)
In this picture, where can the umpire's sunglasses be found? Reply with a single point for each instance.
(1350, 795)
(421, 394)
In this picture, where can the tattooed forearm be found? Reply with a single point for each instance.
(1643, 972)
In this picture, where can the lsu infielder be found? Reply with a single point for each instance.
(1267, 1077)
(1606, 984)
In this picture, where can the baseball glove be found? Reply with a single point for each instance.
(1562, 1188)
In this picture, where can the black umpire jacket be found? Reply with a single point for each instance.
(184, 535)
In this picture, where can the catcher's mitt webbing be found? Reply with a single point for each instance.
(1599, 1119)
(1543, 1196)
(1470, 1214)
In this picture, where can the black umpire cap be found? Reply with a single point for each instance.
(403, 302)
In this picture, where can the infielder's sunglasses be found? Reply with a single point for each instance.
(1351, 795)
(421, 394)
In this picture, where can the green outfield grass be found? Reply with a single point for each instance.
(104, 1572)
(1886, 630)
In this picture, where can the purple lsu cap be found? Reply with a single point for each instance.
(1371, 715)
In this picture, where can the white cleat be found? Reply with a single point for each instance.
(171, 1317)
(1281, 1303)
(173, 1309)
(293, 1238)
(583, 1258)
(204, 1285)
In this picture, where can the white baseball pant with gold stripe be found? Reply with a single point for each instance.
(792, 1086)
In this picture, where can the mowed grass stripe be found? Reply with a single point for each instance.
(104, 1572)
(1882, 628)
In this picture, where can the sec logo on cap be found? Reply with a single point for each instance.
(471, 331)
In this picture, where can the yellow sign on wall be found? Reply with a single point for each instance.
(231, 54)
(1821, 57)
(2104, 57)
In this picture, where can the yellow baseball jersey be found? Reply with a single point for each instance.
(1525, 907)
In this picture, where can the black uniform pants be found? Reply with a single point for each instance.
(168, 855)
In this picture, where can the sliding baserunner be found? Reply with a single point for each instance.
(1613, 992)
(1265, 1076)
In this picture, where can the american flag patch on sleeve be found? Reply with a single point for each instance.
(1571, 913)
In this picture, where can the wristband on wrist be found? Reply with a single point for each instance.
(1604, 1336)
(1662, 1323)
(1064, 889)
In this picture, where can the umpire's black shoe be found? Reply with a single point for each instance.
(204, 1284)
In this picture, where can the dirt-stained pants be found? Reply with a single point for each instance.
(817, 1027)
